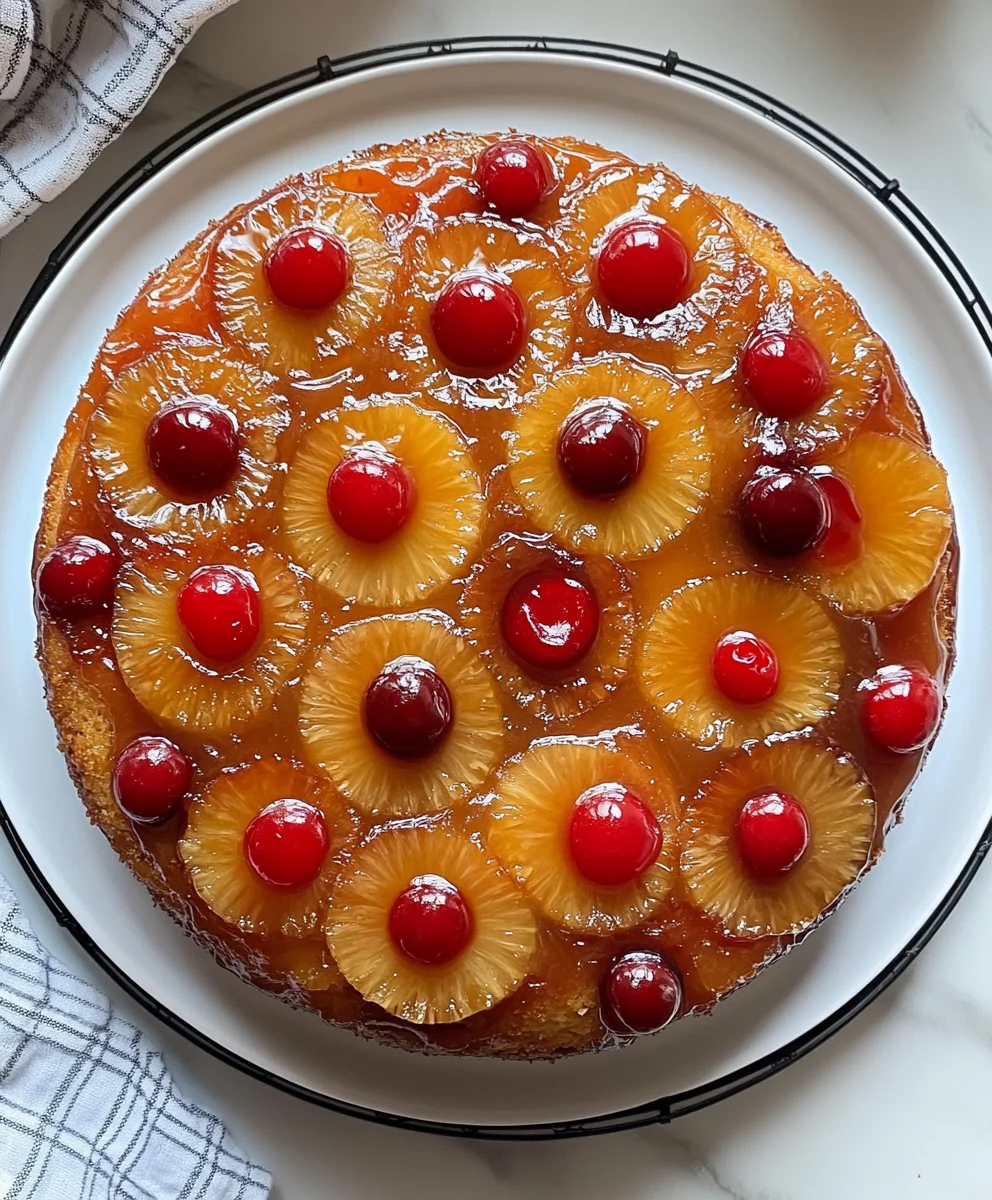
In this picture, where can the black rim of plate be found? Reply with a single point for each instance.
(883, 188)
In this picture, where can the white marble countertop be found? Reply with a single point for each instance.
(897, 1104)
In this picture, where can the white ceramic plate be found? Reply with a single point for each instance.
(829, 221)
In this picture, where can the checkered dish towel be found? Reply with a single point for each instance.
(73, 73)
(88, 1110)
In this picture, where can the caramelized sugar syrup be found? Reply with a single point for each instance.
(417, 185)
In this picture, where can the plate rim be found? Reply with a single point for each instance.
(884, 189)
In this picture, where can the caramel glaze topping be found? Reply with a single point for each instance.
(416, 187)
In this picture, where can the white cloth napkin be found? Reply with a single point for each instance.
(88, 1110)
(73, 73)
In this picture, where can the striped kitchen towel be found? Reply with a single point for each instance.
(73, 73)
(88, 1109)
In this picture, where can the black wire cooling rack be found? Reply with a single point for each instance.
(882, 187)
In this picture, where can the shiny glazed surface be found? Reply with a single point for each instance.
(417, 189)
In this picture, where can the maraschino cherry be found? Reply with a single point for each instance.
(479, 323)
(613, 836)
(601, 447)
(77, 577)
(901, 708)
(286, 844)
(550, 620)
(370, 494)
(745, 668)
(783, 373)
(430, 921)
(408, 708)
(513, 177)
(151, 777)
(643, 268)
(193, 446)
(642, 992)
(783, 512)
(307, 268)
(220, 609)
(772, 834)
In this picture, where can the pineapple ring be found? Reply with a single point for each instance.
(286, 339)
(307, 963)
(118, 428)
(528, 830)
(564, 694)
(675, 669)
(161, 667)
(841, 814)
(905, 507)
(212, 848)
(493, 965)
(438, 537)
(436, 165)
(334, 731)
(517, 256)
(663, 499)
(766, 245)
(705, 329)
(852, 357)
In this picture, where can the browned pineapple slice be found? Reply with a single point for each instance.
(550, 694)
(820, 309)
(514, 256)
(531, 823)
(119, 428)
(339, 743)
(308, 963)
(764, 242)
(852, 355)
(434, 541)
(665, 496)
(702, 331)
(491, 966)
(162, 666)
(433, 168)
(890, 551)
(677, 672)
(213, 852)
(296, 341)
(840, 812)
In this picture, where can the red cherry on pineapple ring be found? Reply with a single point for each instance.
(550, 620)
(151, 776)
(901, 707)
(307, 268)
(783, 373)
(408, 708)
(641, 992)
(285, 845)
(479, 322)
(783, 513)
(772, 833)
(643, 268)
(513, 177)
(219, 608)
(745, 668)
(430, 921)
(193, 445)
(601, 447)
(77, 577)
(613, 836)
(370, 494)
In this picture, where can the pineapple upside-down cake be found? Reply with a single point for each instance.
(494, 595)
